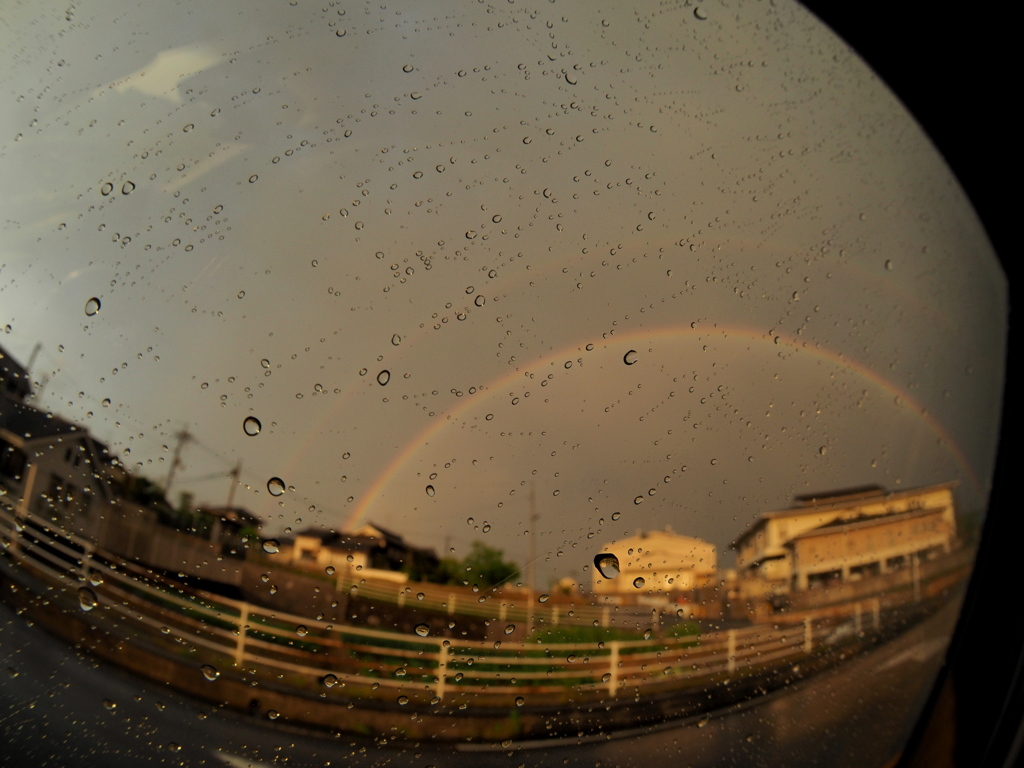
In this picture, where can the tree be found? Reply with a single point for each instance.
(486, 566)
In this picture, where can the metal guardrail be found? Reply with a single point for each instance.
(307, 654)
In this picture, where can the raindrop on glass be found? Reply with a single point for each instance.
(384, 377)
(430, 490)
(92, 306)
(543, 598)
(128, 187)
(607, 564)
(630, 357)
(301, 630)
(209, 672)
(639, 582)
(87, 599)
(271, 546)
(422, 630)
(275, 486)
(251, 426)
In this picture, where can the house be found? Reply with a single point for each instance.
(665, 561)
(53, 468)
(368, 548)
(843, 535)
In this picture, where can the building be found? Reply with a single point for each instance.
(666, 561)
(370, 548)
(53, 468)
(845, 535)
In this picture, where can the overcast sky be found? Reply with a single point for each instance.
(670, 263)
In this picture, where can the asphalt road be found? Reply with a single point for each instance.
(60, 708)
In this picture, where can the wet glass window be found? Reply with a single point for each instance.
(479, 382)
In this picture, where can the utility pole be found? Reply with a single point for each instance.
(235, 474)
(183, 436)
(530, 571)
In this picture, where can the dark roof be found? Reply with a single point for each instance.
(237, 515)
(862, 521)
(833, 497)
(27, 423)
(14, 379)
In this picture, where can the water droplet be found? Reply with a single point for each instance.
(647, 634)
(209, 672)
(301, 630)
(822, 450)
(630, 357)
(703, 721)
(889, 265)
(403, 700)
(275, 486)
(329, 681)
(543, 598)
(400, 672)
(87, 599)
(480, 301)
(253, 179)
(384, 377)
(273, 715)
(271, 546)
(188, 127)
(422, 630)
(106, 189)
(700, 13)
(616, 515)
(510, 629)
(128, 187)
(341, 32)
(407, 68)
(109, 705)
(251, 426)
(520, 701)
(607, 564)
(92, 306)
(329, 570)
(430, 490)
(396, 339)
(639, 582)
(638, 500)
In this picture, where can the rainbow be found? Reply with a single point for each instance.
(358, 515)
